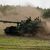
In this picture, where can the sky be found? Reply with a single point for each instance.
(40, 3)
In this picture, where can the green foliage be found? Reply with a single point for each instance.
(46, 13)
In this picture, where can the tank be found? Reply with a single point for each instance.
(25, 27)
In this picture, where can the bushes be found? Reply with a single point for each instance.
(46, 13)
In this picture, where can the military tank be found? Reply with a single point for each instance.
(25, 27)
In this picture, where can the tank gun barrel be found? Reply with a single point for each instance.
(8, 21)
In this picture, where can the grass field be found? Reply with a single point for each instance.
(23, 43)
